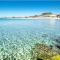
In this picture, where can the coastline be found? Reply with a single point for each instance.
(50, 18)
(38, 18)
(47, 15)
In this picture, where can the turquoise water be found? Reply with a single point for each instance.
(18, 36)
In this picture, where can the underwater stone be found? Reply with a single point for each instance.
(57, 39)
(58, 46)
(39, 59)
(43, 52)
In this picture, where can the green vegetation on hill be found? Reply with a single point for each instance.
(47, 13)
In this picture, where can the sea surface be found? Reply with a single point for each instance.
(18, 36)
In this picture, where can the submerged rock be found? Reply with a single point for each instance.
(43, 52)
(57, 39)
(58, 46)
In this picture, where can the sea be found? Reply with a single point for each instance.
(18, 36)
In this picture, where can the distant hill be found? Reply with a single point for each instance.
(46, 14)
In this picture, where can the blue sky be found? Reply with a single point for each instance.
(27, 8)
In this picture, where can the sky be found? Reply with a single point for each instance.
(28, 8)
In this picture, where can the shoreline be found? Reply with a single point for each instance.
(49, 18)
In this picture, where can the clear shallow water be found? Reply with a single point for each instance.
(17, 37)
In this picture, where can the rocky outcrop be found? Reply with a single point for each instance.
(43, 52)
